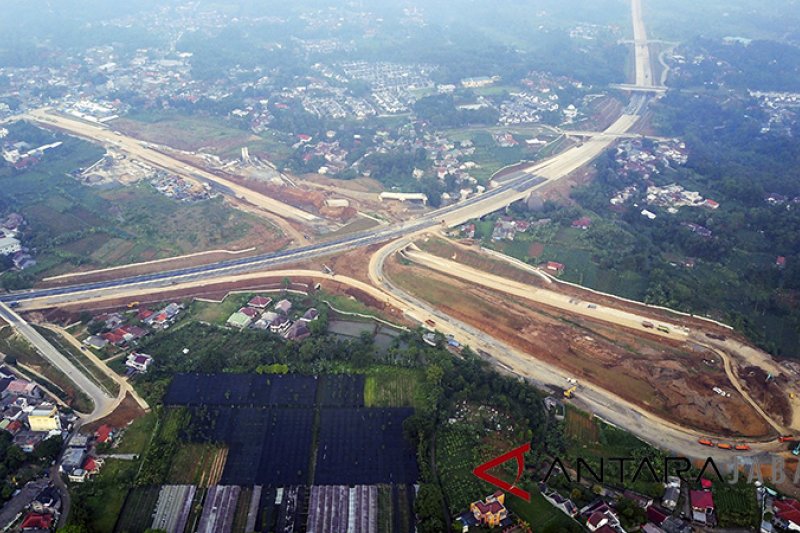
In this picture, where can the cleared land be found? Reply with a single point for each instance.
(668, 379)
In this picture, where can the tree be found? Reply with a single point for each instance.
(429, 507)
(47, 451)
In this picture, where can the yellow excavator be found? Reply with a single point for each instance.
(570, 392)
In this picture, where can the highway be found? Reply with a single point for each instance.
(102, 401)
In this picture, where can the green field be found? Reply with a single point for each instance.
(137, 435)
(540, 514)
(105, 495)
(217, 313)
(456, 457)
(392, 387)
(71, 225)
(736, 505)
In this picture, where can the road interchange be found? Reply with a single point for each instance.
(516, 186)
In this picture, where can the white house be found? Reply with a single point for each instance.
(9, 245)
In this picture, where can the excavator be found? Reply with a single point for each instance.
(570, 392)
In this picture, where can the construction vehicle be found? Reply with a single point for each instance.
(796, 450)
(648, 325)
(705, 442)
(663, 329)
(724, 446)
(785, 438)
(133, 304)
(430, 322)
(570, 392)
(742, 447)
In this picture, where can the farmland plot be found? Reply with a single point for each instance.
(364, 446)
(219, 509)
(342, 391)
(242, 389)
(342, 508)
(173, 507)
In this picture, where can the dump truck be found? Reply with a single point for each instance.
(724, 446)
(663, 329)
(742, 447)
(648, 325)
(705, 442)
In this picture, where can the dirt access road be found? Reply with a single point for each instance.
(280, 213)
(572, 305)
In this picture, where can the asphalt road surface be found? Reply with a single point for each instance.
(102, 401)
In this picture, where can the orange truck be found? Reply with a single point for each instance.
(742, 447)
(724, 446)
(705, 442)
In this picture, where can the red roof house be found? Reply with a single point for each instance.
(780, 261)
(554, 266)
(705, 483)
(582, 223)
(788, 511)
(261, 302)
(104, 433)
(249, 311)
(37, 521)
(144, 314)
(702, 500)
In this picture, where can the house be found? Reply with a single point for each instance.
(641, 500)
(249, 311)
(78, 441)
(37, 522)
(78, 475)
(780, 261)
(28, 440)
(260, 302)
(310, 315)
(44, 418)
(656, 516)
(96, 342)
(672, 491)
(673, 524)
(651, 528)
(104, 433)
(702, 505)
(239, 320)
(114, 337)
(553, 266)
(298, 331)
(21, 387)
(139, 362)
(582, 223)
(711, 204)
(49, 500)
(131, 333)
(284, 306)
(269, 317)
(280, 324)
(565, 505)
(72, 459)
(787, 514)
(491, 511)
(92, 465)
(601, 518)
(144, 314)
(9, 245)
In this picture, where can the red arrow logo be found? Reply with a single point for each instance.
(482, 471)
